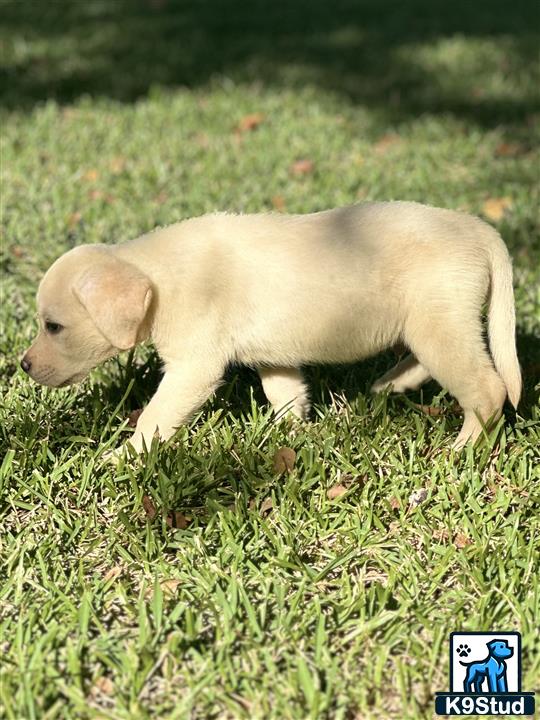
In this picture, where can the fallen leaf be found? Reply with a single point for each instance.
(103, 685)
(284, 460)
(278, 203)
(112, 573)
(440, 535)
(149, 507)
(509, 149)
(169, 586)
(91, 175)
(302, 167)
(250, 122)
(267, 506)
(95, 194)
(133, 416)
(336, 491)
(495, 208)
(394, 503)
(384, 143)
(17, 251)
(429, 409)
(417, 497)
(176, 519)
(461, 540)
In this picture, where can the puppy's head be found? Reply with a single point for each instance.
(91, 305)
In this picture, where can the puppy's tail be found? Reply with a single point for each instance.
(502, 320)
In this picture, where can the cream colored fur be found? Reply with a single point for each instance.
(278, 292)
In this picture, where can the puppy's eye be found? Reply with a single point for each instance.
(53, 328)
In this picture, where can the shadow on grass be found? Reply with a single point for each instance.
(370, 51)
(241, 384)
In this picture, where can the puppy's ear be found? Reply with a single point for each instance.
(117, 296)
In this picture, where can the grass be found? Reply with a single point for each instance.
(275, 601)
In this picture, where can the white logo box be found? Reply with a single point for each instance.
(476, 643)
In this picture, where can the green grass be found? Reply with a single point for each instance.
(275, 601)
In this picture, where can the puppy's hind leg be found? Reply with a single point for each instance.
(286, 391)
(455, 355)
(408, 374)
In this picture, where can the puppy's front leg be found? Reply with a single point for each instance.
(183, 389)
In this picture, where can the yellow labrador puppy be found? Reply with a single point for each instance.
(277, 292)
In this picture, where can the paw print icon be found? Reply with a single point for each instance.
(463, 650)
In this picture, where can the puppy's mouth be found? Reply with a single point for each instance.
(72, 380)
(49, 382)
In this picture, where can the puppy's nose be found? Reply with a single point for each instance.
(26, 365)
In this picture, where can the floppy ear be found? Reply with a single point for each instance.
(117, 296)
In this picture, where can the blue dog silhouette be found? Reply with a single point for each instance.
(492, 669)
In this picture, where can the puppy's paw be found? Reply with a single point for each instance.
(382, 386)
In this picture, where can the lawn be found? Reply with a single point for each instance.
(207, 581)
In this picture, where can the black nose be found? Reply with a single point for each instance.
(26, 365)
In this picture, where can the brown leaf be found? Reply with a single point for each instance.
(91, 175)
(336, 491)
(495, 208)
(385, 142)
(461, 540)
(95, 194)
(284, 460)
(441, 535)
(429, 409)
(103, 685)
(133, 416)
(17, 251)
(509, 149)
(267, 506)
(176, 519)
(149, 507)
(169, 586)
(394, 503)
(278, 203)
(112, 573)
(250, 122)
(302, 167)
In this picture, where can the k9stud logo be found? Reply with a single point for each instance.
(485, 676)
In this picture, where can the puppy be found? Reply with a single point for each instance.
(277, 292)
